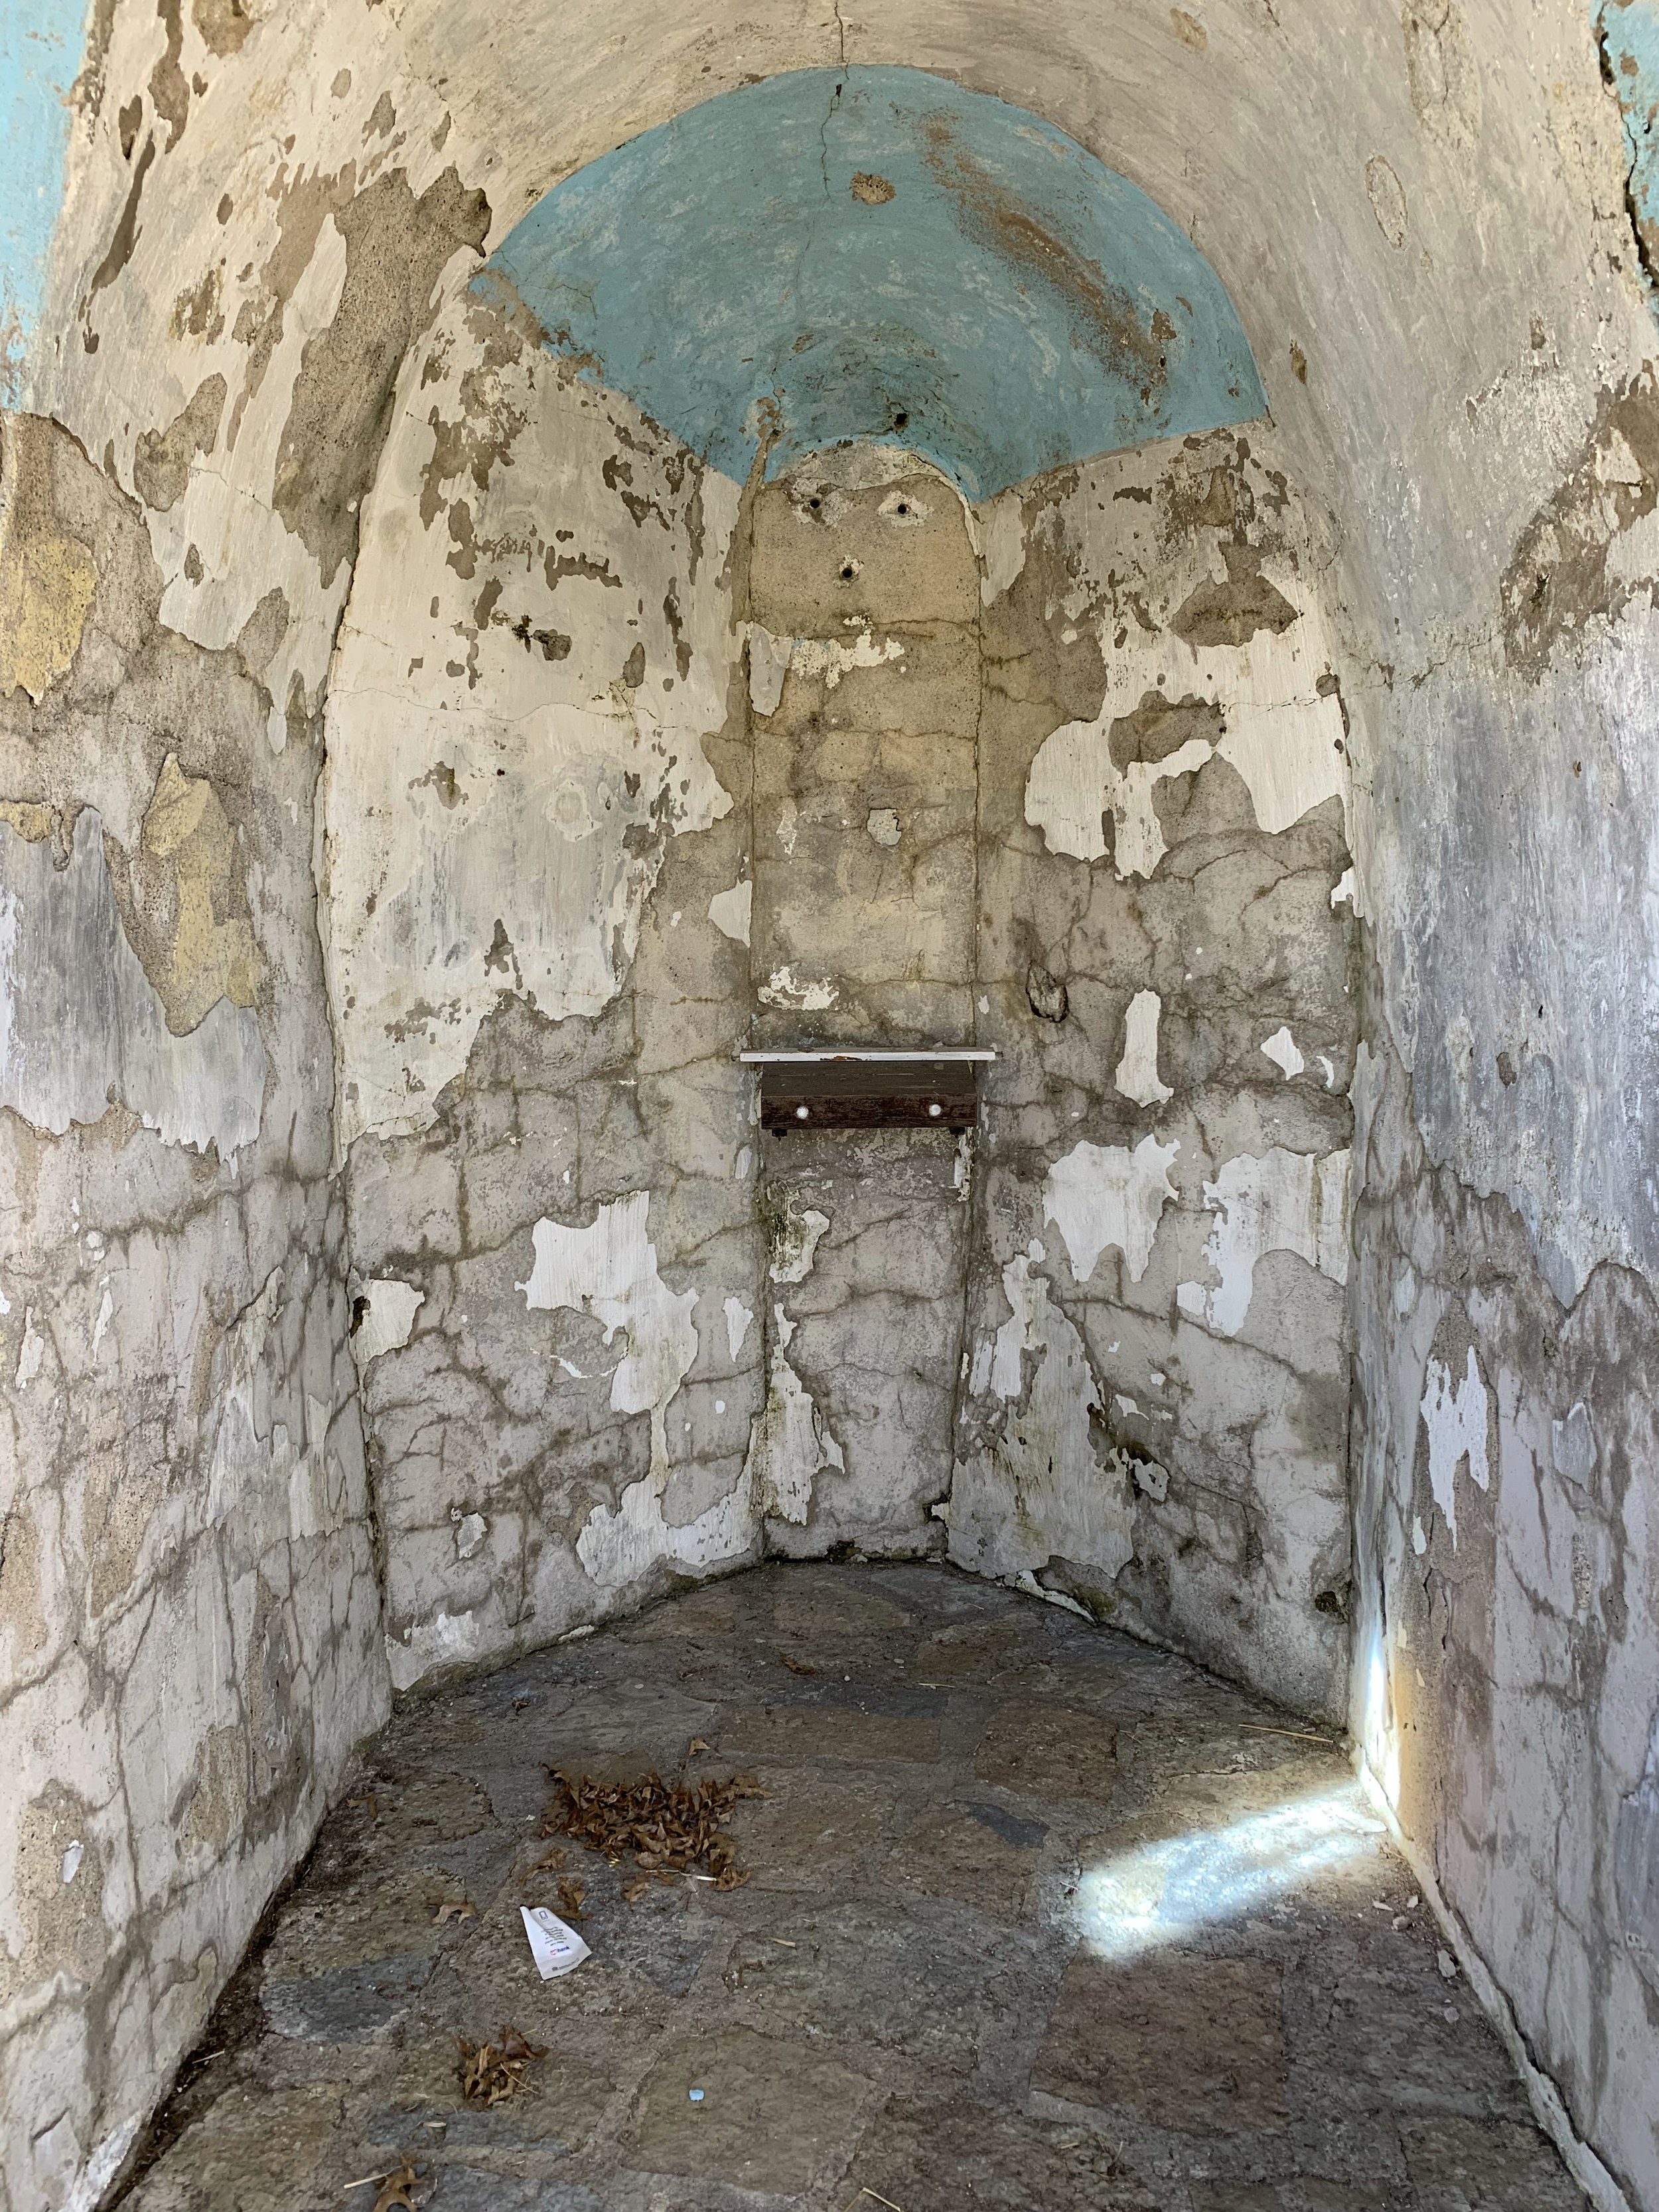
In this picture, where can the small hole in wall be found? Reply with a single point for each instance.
(901, 421)
(903, 507)
(847, 573)
(815, 502)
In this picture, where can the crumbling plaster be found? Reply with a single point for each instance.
(1422, 217)
(190, 1634)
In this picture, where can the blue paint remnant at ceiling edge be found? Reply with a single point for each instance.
(1627, 34)
(41, 45)
(873, 252)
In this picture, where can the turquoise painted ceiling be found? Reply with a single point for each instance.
(873, 252)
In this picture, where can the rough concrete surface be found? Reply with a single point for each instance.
(1033, 1916)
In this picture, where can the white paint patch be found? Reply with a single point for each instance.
(1344, 892)
(105, 1315)
(829, 658)
(791, 1446)
(72, 1861)
(1028, 1295)
(471, 1530)
(1105, 1195)
(1572, 1445)
(1283, 738)
(1137, 1071)
(783, 990)
(256, 1456)
(883, 824)
(445, 1640)
(79, 1018)
(388, 1318)
(1002, 547)
(769, 663)
(738, 1318)
(496, 816)
(1285, 1201)
(1455, 1419)
(1281, 1049)
(610, 1270)
(30, 1352)
(730, 912)
(796, 1245)
(906, 512)
(1065, 1501)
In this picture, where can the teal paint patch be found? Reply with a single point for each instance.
(1627, 33)
(873, 252)
(41, 43)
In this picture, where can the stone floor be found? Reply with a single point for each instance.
(1036, 1918)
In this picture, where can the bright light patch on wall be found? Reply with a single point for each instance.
(1167, 1892)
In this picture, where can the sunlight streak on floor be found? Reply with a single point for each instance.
(1165, 1892)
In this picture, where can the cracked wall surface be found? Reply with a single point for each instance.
(863, 589)
(554, 1422)
(1433, 221)
(1162, 1202)
(189, 1616)
(532, 807)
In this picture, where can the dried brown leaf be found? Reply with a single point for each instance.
(491, 2072)
(571, 1894)
(397, 2190)
(797, 1666)
(634, 1891)
(455, 1909)
(666, 1828)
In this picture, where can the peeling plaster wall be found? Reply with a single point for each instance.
(863, 586)
(1432, 221)
(534, 823)
(189, 1616)
(910, 794)
(1162, 1214)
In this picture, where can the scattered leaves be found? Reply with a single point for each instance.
(397, 2190)
(670, 1827)
(634, 1891)
(369, 1803)
(571, 1894)
(491, 2072)
(797, 1666)
(696, 1745)
(549, 1862)
(456, 1908)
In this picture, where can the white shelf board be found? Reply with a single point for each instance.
(870, 1052)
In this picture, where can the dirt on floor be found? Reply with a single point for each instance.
(1023, 1914)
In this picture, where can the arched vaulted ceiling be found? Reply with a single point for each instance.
(877, 252)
